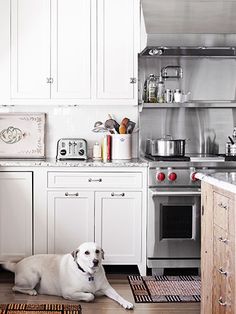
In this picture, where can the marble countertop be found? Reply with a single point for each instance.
(71, 163)
(223, 180)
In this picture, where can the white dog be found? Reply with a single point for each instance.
(77, 276)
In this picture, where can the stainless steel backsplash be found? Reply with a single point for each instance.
(205, 128)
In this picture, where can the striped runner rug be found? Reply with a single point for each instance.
(160, 289)
(40, 308)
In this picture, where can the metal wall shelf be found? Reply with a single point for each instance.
(189, 52)
(191, 104)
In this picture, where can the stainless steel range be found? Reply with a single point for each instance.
(174, 210)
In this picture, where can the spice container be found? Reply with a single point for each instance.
(168, 96)
(177, 95)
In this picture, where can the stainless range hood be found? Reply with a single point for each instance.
(207, 26)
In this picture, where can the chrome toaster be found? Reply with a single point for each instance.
(72, 149)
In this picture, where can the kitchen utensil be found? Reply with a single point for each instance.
(165, 147)
(99, 127)
(125, 122)
(231, 140)
(130, 127)
(122, 129)
(111, 124)
(98, 123)
(72, 148)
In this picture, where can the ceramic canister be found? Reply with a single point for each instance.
(121, 146)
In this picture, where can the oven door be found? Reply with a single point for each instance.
(174, 223)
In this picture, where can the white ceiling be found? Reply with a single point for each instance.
(189, 16)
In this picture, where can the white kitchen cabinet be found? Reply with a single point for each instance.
(15, 215)
(70, 220)
(106, 205)
(67, 50)
(30, 48)
(50, 49)
(71, 49)
(117, 28)
(5, 51)
(118, 221)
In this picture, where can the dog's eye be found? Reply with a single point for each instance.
(86, 253)
(97, 251)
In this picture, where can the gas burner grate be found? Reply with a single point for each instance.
(228, 158)
(167, 158)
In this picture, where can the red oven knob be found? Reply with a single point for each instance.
(172, 176)
(160, 176)
(193, 176)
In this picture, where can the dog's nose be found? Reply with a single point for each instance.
(95, 262)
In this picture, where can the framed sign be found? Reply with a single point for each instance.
(22, 135)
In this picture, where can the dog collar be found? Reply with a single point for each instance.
(90, 278)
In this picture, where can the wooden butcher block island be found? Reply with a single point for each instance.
(218, 243)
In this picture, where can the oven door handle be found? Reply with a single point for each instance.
(173, 193)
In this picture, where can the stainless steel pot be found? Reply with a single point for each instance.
(165, 147)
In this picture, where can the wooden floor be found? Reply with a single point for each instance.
(101, 305)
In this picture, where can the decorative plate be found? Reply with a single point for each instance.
(22, 135)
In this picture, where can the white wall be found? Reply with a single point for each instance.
(77, 121)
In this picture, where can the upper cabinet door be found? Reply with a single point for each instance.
(30, 48)
(116, 49)
(71, 48)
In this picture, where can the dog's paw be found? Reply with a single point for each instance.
(89, 297)
(127, 305)
(33, 292)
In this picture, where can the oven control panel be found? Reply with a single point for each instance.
(169, 176)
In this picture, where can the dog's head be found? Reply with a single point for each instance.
(89, 256)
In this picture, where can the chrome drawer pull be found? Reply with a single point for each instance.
(220, 301)
(94, 180)
(222, 205)
(223, 240)
(71, 194)
(117, 194)
(222, 271)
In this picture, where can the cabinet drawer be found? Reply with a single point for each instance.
(221, 210)
(94, 180)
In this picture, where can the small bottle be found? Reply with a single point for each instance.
(97, 154)
(152, 88)
(145, 90)
(160, 90)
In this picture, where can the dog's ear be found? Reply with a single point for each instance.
(102, 253)
(74, 254)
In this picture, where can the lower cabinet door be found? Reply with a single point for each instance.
(118, 226)
(15, 215)
(70, 220)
